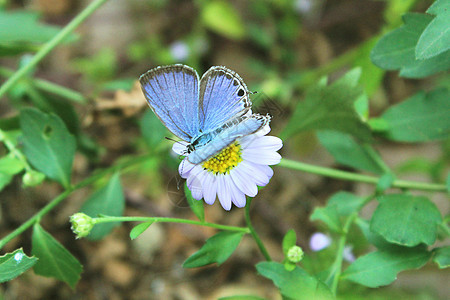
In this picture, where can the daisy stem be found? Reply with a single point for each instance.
(107, 219)
(255, 235)
(329, 172)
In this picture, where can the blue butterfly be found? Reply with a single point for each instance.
(208, 113)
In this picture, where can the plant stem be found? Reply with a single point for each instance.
(106, 219)
(337, 265)
(333, 173)
(49, 87)
(50, 45)
(58, 199)
(255, 235)
(4, 137)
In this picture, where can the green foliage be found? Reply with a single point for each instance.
(330, 107)
(196, 206)
(217, 249)
(139, 229)
(15, 263)
(381, 267)
(328, 215)
(435, 39)
(99, 68)
(25, 33)
(396, 50)
(241, 297)
(10, 165)
(54, 260)
(289, 240)
(406, 220)
(296, 284)
(109, 201)
(349, 152)
(48, 145)
(442, 257)
(152, 129)
(345, 203)
(221, 17)
(409, 121)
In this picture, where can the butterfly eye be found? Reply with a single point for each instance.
(241, 93)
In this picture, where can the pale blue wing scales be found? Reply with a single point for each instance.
(223, 96)
(237, 128)
(172, 93)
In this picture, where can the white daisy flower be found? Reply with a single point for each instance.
(234, 172)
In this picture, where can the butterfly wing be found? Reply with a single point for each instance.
(223, 96)
(231, 131)
(172, 92)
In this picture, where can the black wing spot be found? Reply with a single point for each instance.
(235, 82)
(241, 93)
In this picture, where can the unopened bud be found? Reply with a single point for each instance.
(32, 178)
(295, 254)
(82, 224)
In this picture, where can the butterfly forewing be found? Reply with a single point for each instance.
(223, 96)
(173, 94)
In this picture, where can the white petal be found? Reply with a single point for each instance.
(184, 168)
(237, 197)
(210, 188)
(223, 192)
(245, 184)
(261, 157)
(195, 183)
(180, 147)
(268, 171)
(271, 143)
(250, 169)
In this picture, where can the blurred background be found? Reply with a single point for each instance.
(280, 48)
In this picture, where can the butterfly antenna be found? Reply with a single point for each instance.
(255, 92)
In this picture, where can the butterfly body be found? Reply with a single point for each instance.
(208, 113)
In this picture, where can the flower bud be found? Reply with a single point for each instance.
(32, 178)
(295, 254)
(82, 224)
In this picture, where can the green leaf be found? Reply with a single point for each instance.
(381, 267)
(330, 107)
(329, 215)
(347, 151)
(242, 297)
(109, 201)
(406, 220)
(54, 260)
(435, 39)
(48, 145)
(139, 229)
(222, 17)
(15, 263)
(442, 257)
(409, 121)
(295, 284)
(216, 250)
(24, 32)
(196, 205)
(9, 166)
(346, 203)
(289, 240)
(385, 182)
(396, 50)
(152, 129)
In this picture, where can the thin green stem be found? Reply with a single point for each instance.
(253, 232)
(337, 265)
(106, 219)
(52, 204)
(4, 137)
(49, 87)
(48, 47)
(333, 173)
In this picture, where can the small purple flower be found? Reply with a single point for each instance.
(179, 50)
(348, 254)
(319, 241)
(234, 172)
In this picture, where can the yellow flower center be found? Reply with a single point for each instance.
(225, 160)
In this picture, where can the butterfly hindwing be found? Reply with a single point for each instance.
(173, 94)
(236, 128)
